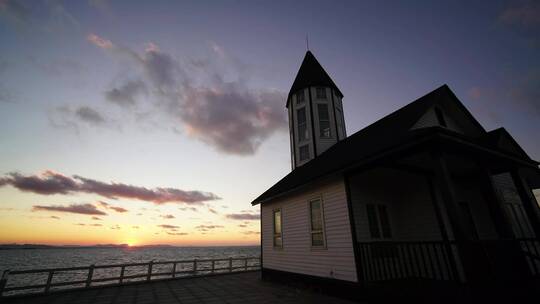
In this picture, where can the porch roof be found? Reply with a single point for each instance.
(382, 137)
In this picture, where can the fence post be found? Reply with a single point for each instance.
(49, 280)
(149, 275)
(245, 264)
(195, 267)
(122, 274)
(90, 274)
(3, 281)
(174, 270)
(213, 266)
(230, 264)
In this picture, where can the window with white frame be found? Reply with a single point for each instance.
(320, 93)
(379, 222)
(300, 97)
(278, 239)
(340, 122)
(324, 121)
(317, 223)
(304, 152)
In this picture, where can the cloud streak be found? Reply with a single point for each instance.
(108, 206)
(50, 182)
(87, 209)
(243, 216)
(165, 226)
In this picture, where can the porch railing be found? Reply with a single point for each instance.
(438, 260)
(85, 277)
(382, 261)
(530, 248)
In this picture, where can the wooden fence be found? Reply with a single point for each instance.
(183, 268)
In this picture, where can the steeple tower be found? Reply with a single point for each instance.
(315, 111)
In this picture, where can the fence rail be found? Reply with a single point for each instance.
(181, 268)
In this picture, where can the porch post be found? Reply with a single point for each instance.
(472, 262)
(356, 251)
(444, 181)
(528, 201)
(499, 216)
(442, 228)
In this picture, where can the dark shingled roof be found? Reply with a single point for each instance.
(390, 131)
(311, 73)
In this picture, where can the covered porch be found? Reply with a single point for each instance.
(445, 211)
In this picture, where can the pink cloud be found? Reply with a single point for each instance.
(99, 42)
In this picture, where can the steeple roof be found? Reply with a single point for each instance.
(311, 73)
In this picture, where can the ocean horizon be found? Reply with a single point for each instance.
(66, 256)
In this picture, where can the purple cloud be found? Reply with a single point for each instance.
(87, 209)
(177, 233)
(108, 206)
(125, 94)
(526, 14)
(209, 226)
(90, 115)
(243, 216)
(230, 118)
(165, 226)
(50, 182)
(226, 115)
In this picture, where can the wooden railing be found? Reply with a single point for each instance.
(531, 249)
(182, 268)
(382, 261)
(440, 261)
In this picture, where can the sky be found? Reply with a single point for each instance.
(157, 122)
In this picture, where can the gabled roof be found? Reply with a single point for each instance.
(392, 130)
(502, 140)
(311, 73)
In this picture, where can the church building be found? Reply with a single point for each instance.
(423, 194)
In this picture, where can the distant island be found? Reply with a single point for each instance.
(41, 246)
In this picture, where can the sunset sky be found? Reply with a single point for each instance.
(149, 122)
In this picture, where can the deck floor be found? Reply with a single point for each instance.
(242, 288)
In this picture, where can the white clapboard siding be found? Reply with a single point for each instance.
(297, 255)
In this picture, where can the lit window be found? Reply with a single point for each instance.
(379, 222)
(278, 240)
(302, 124)
(320, 93)
(300, 97)
(304, 152)
(317, 225)
(324, 121)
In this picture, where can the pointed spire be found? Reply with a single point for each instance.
(311, 73)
